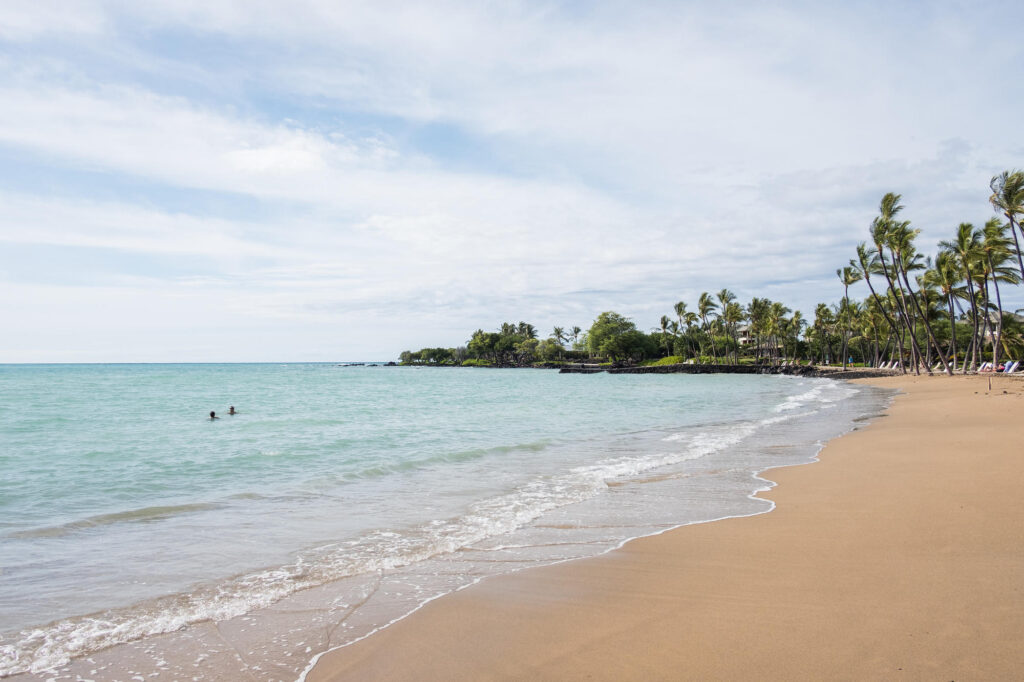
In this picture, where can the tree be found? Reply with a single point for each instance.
(705, 307)
(945, 276)
(848, 276)
(996, 248)
(576, 336)
(1008, 197)
(607, 326)
(966, 247)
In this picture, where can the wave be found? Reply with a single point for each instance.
(143, 515)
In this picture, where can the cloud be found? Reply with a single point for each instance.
(457, 165)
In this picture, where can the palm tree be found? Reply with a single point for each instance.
(665, 322)
(705, 307)
(899, 238)
(880, 228)
(945, 276)
(1008, 197)
(680, 309)
(967, 249)
(848, 275)
(526, 330)
(575, 336)
(996, 249)
(868, 263)
(733, 315)
(907, 259)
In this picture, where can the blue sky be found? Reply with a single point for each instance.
(214, 181)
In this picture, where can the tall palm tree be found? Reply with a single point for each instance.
(966, 246)
(705, 307)
(996, 248)
(665, 322)
(733, 316)
(946, 276)
(907, 259)
(527, 330)
(848, 276)
(880, 227)
(899, 238)
(868, 263)
(575, 335)
(680, 310)
(1008, 197)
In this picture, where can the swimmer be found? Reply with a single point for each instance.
(231, 410)
(213, 415)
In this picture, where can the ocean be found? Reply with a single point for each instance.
(139, 538)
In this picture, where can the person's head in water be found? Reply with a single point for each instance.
(231, 410)
(213, 415)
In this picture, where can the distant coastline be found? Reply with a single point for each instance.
(922, 314)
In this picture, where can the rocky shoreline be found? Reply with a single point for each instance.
(795, 370)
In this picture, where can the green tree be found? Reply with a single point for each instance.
(1008, 197)
(848, 276)
(607, 326)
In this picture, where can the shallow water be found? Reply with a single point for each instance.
(341, 498)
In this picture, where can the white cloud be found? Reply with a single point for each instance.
(619, 156)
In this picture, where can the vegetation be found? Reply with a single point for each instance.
(925, 313)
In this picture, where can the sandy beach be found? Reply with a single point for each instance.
(899, 556)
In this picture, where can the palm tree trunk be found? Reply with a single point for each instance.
(927, 326)
(900, 309)
(1020, 260)
(952, 328)
(999, 311)
(878, 301)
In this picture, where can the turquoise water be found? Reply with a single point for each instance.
(125, 512)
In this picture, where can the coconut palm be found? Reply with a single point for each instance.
(848, 276)
(881, 226)
(575, 335)
(906, 259)
(946, 276)
(1008, 197)
(705, 307)
(868, 263)
(732, 315)
(665, 322)
(995, 246)
(966, 247)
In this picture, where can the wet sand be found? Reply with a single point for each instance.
(899, 556)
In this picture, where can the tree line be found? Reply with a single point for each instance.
(923, 312)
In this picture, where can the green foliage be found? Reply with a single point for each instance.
(607, 326)
(475, 362)
(669, 360)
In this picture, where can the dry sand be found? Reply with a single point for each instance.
(899, 556)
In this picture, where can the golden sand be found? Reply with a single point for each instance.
(899, 557)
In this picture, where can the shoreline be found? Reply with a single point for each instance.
(696, 601)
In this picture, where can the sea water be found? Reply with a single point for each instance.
(341, 498)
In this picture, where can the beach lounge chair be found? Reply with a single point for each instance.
(1011, 367)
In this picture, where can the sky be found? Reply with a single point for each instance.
(314, 180)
